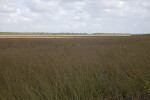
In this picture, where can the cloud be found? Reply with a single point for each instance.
(42, 5)
(75, 15)
(6, 6)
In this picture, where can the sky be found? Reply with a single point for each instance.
(85, 16)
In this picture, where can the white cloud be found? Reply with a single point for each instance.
(6, 9)
(42, 6)
(146, 3)
(75, 15)
(113, 3)
(7, 6)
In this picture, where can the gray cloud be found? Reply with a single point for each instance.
(75, 15)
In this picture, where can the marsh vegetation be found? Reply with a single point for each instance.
(80, 68)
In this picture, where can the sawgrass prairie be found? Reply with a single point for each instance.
(77, 68)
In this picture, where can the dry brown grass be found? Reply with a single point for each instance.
(89, 68)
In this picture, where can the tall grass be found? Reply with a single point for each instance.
(86, 68)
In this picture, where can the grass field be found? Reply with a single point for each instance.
(87, 68)
(62, 33)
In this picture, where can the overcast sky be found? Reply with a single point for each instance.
(90, 16)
